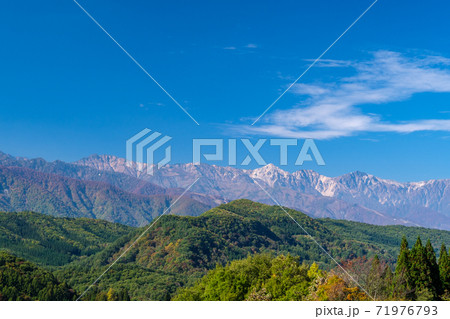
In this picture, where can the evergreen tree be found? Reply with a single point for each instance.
(388, 278)
(421, 273)
(402, 279)
(444, 268)
(123, 295)
(434, 268)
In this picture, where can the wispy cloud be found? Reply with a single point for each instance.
(330, 63)
(331, 110)
(247, 47)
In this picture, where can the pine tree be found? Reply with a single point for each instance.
(417, 264)
(123, 295)
(421, 277)
(444, 268)
(388, 278)
(402, 287)
(434, 268)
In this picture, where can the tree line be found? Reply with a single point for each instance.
(418, 275)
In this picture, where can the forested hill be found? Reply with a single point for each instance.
(386, 238)
(54, 241)
(178, 250)
(21, 280)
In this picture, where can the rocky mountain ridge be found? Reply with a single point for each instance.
(355, 196)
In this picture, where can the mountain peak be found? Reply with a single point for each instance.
(359, 174)
(270, 168)
(99, 157)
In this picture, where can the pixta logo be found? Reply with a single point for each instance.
(144, 145)
(307, 150)
(141, 148)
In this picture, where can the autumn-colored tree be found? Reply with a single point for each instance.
(332, 289)
(355, 294)
(336, 289)
(358, 269)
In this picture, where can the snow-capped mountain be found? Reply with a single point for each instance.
(355, 196)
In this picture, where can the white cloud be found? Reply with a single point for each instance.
(332, 110)
(240, 48)
(330, 63)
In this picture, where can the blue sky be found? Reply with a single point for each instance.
(379, 102)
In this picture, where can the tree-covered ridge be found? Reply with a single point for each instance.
(143, 283)
(234, 230)
(179, 250)
(387, 238)
(22, 280)
(54, 241)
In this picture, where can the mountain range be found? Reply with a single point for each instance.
(67, 190)
(355, 196)
(105, 187)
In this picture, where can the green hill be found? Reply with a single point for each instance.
(386, 238)
(179, 250)
(54, 241)
(22, 280)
